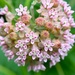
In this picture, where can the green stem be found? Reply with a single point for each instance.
(32, 12)
(59, 69)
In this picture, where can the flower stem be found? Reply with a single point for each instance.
(32, 12)
(24, 70)
(59, 69)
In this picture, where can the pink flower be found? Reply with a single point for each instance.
(1, 22)
(63, 51)
(2, 41)
(20, 60)
(34, 52)
(65, 22)
(37, 67)
(71, 21)
(9, 54)
(47, 45)
(22, 10)
(54, 59)
(31, 37)
(43, 11)
(20, 26)
(47, 3)
(53, 13)
(68, 10)
(21, 45)
(69, 37)
(43, 57)
(4, 10)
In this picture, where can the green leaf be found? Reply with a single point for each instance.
(6, 71)
(4, 2)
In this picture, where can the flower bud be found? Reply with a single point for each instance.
(13, 36)
(57, 43)
(49, 25)
(55, 31)
(55, 3)
(44, 34)
(26, 19)
(40, 21)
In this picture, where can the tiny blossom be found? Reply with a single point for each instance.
(4, 10)
(37, 67)
(65, 22)
(1, 22)
(21, 45)
(31, 37)
(68, 10)
(53, 13)
(20, 26)
(43, 11)
(2, 42)
(43, 56)
(47, 45)
(47, 3)
(22, 10)
(71, 21)
(20, 60)
(54, 59)
(35, 52)
(69, 38)
(64, 49)
(9, 54)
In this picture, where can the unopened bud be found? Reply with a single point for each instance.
(49, 25)
(40, 21)
(26, 19)
(44, 34)
(55, 31)
(13, 36)
(57, 43)
(55, 3)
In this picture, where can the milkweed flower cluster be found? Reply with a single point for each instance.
(48, 38)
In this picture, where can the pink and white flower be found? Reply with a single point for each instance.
(4, 10)
(21, 45)
(43, 56)
(20, 26)
(9, 54)
(31, 37)
(47, 45)
(47, 3)
(22, 10)
(20, 60)
(34, 52)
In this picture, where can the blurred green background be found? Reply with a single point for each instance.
(65, 67)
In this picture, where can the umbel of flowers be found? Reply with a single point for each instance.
(47, 38)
